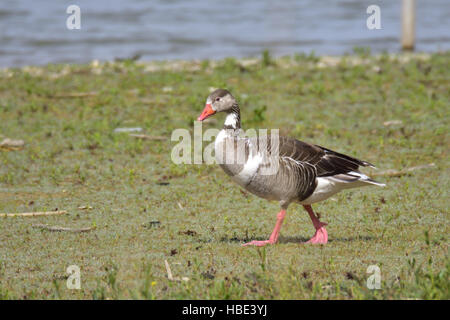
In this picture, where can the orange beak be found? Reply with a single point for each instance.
(207, 112)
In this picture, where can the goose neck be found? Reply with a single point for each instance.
(233, 119)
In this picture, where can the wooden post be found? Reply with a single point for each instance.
(408, 24)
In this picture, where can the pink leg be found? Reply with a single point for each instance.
(274, 236)
(321, 235)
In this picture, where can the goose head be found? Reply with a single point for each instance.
(220, 100)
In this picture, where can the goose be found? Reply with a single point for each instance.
(281, 168)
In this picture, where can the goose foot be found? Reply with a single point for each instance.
(274, 236)
(321, 235)
(258, 243)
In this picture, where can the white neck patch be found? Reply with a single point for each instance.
(231, 120)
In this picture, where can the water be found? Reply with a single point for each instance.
(35, 33)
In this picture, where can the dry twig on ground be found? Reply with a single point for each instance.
(147, 137)
(55, 228)
(33, 214)
(74, 95)
(399, 173)
(10, 144)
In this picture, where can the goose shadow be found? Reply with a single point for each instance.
(298, 239)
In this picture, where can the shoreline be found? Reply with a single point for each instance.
(311, 60)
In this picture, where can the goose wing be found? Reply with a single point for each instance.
(325, 161)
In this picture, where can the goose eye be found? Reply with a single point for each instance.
(217, 99)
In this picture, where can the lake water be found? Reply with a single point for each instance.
(34, 32)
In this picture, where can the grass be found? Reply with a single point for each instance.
(73, 158)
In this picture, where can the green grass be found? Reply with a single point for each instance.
(73, 158)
